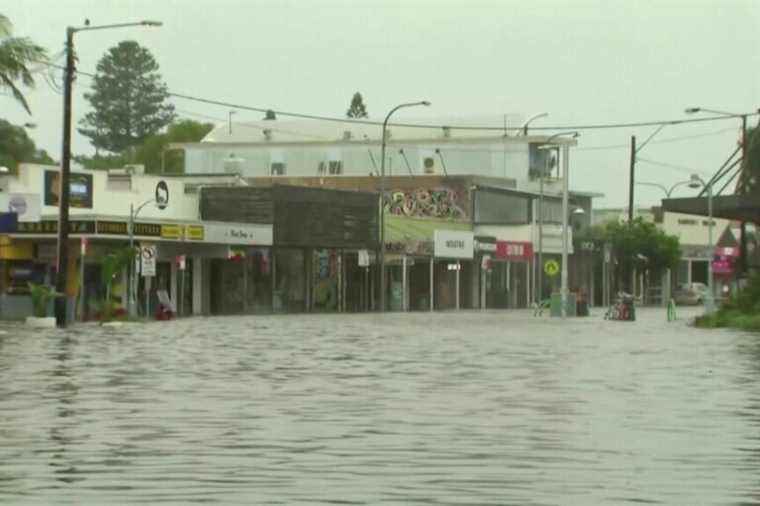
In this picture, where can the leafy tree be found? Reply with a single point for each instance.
(270, 115)
(129, 100)
(641, 246)
(16, 55)
(17, 147)
(357, 109)
(150, 152)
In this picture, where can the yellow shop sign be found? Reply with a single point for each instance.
(171, 231)
(194, 232)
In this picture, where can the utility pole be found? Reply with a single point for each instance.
(628, 279)
(62, 253)
(630, 187)
(743, 229)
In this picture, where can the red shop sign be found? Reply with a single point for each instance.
(514, 251)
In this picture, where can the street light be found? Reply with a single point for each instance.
(743, 240)
(62, 256)
(698, 182)
(565, 205)
(667, 191)
(381, 255)
(524, 126)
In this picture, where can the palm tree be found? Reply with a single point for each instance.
(16, 55)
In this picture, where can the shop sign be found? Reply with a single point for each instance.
(485, 262)
(171, 231)
(194, 232)
(514, 251)
(453, 244)
(122, 228)
(259, 235)
(51, 227)
(80, 189)
(25, 205)
(8, 223)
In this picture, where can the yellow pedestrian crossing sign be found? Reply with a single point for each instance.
(551, 268)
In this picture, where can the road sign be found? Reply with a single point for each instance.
(162, 194)
(551, 268)
(363, 258)
(148, 260)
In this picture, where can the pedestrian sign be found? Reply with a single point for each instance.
(551, 268)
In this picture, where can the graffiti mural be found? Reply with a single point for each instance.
(426, 203)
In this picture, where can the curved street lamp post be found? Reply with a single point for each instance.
(381, 253)
(62, 254)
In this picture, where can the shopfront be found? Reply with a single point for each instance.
(505, 274)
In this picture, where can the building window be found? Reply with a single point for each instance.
(278, 168)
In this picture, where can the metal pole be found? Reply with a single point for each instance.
(710, 302)
(62, 251)
(432, 286)
(565, 191)
(631, 182)
(131, 271)
(404, 284)
(382, 214)
(743, 229)
(540, 289)
(459, 266)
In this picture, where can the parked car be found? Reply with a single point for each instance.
(690, 294)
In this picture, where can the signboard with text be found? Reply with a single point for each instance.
(148, 260)
(514, 251)
(453, 244)
(80, 189)
(25, 205)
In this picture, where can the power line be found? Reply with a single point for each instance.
(671, 166)
(661, 141)
(597, 126)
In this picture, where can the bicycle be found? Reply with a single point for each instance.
(623, 309)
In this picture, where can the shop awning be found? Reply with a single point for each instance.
(730, 207)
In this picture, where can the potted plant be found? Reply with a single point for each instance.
(41, 297)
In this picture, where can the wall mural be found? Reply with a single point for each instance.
(426, 203)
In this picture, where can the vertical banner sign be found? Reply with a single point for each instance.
(181, 262)
(148, 260)
(83, 245)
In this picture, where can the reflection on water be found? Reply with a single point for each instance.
(470, 408)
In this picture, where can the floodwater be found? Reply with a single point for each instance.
(445, 408)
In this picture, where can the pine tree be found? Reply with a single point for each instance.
(129, 99)
(357, 109)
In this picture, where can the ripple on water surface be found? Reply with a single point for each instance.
(445, 408)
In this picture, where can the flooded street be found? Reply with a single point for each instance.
(445, 408)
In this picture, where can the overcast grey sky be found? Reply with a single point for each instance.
(583, 62)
